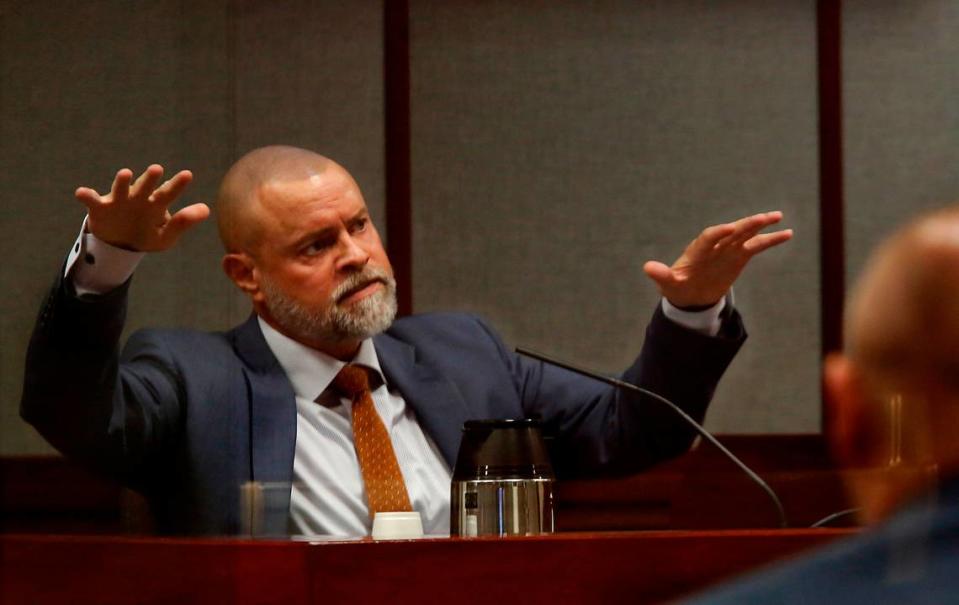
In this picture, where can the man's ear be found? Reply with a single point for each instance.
(854, 434)
(847, 426)
(241, 269)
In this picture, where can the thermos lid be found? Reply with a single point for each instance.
(503, 449)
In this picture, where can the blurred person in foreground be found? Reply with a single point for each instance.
(187, 417)
(894, 402)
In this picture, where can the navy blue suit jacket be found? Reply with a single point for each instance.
(186, 416)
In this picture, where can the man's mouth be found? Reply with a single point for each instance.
(361, 291)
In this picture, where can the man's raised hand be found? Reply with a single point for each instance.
(136, 215)
(712, 262)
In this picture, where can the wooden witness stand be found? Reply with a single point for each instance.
(698, 520)
(633, 567)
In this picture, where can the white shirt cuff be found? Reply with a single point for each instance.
(96, 267)
(706, 321)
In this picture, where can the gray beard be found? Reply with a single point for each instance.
(361, 320)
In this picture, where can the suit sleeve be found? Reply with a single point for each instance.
(110, 415)
(599, 429)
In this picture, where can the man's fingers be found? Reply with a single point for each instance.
(658, 272)
(121, 185)
(743, 234)
(762, 218)
(767, 240)
(183, 220)
(194, 213)
(168, 191)
(746, 228)
(88, 197)
(715, 234)
(147, 182)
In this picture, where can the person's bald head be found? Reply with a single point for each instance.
(240, 190)
(893, 395)
(902, 323)
(300, 243)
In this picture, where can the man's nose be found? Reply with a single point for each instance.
(354, 255)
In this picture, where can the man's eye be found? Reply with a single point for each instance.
(316, 247)
(360, 225)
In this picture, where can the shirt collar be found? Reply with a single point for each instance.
(311, 371)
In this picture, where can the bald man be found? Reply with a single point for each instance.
(894, 395)
(188, 417)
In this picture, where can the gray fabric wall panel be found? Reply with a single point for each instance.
(311, 74)
(557, 146)
(87, 91)
(90, 87)
(901, 115)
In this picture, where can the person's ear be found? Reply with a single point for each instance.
(851, 427)
(241, 269)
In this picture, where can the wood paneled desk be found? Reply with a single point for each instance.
(634, 567)
(43, 498)
(700, 490)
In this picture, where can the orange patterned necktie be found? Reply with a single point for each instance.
(385, 490)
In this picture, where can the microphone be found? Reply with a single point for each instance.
(678, 410)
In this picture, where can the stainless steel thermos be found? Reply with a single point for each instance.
(503, 480)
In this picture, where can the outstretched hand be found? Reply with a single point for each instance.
(136, 215)
(712, 262)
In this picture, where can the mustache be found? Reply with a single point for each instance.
(361, 279)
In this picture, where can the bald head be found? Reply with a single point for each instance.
(239, 192)
(894, 393)
(301, 245)
(902, 323)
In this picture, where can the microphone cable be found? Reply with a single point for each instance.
(679, 411)
(835, 516)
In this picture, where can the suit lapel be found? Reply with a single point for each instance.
(272, 408)
(440, 408)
